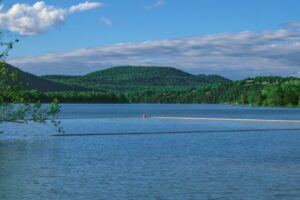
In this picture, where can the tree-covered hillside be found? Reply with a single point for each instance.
(32, 82)
(259, 91)
(162, 85)
(127, 78)
(213, 78)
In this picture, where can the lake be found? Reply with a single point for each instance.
(154, 158)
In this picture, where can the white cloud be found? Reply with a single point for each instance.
(106, 21)
(293, 24)
(234, 55)
(85, 6)
(157, 3)
(38, 18)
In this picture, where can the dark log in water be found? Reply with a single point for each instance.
(171, 132)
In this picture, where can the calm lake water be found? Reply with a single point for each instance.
(217, 160)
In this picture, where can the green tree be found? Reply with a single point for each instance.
(273, 96)
(291, 92)
(16, 106)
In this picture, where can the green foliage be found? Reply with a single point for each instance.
(31, 82)
(213, 78)
(128, 78)
(260, 91)
(78, 97)
(15, 104)
(161, 85)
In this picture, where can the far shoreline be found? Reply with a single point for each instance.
(196, 104)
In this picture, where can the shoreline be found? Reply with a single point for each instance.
(196, 104)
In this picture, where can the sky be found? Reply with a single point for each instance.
(232, 38)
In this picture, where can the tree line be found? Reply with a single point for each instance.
(260, 91)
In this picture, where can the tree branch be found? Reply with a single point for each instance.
(13, 121)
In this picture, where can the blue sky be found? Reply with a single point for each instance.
(233, 35)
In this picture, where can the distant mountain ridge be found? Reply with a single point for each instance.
(129, 84)
(32, 82)
(134, 77)
(214, 78)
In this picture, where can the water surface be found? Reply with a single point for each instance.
(225, 164)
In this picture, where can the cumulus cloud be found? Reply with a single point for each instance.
(234, 55)
(106, 21)
(38, 18)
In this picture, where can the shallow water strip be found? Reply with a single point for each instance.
(229, 119)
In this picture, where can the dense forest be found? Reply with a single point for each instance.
(260, 91)
(128, 78)
(160, 85)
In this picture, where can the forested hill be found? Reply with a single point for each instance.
(213, 78)
(162, 85)
(125, 78)
(258, 91)
(32, 82)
